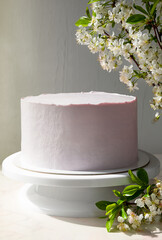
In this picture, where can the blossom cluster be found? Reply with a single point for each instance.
(150, 208)
(109, 33)
(133, 221)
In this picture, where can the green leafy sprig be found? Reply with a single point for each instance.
(129, 193)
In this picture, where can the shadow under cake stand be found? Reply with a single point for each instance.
(72, 193)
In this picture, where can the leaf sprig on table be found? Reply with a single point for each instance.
(138, 203)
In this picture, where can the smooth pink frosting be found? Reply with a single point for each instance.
(79, 131)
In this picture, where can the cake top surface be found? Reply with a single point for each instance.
(64, 99)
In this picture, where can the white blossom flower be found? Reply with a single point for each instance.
(94, 46)
(152, 215)
(129, 211)
(140, 202)
(132, 86)
(157, 115)
(148, 202)
(108, 61)
(154, 198)
(148, 217)
(123, 227)
(159, 184)
(159, 211)
(120, 219)
(126, 74)
(134, 219)
(153, 208)
(82, 36)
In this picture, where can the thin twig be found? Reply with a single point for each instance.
(106, 34)
(130, 203)
(156, 36)
(113, 4)
(132, 56)
(159, 35)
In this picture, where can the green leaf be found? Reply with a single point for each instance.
(148, 7)
(154, 7)
(114, 211)
(83, 21)
(93, 14)
(136, 18)
(119, 202)
(148, 189)
(92, 1)
(117, 193)
(124, 215)
(135, 195)
(134, 178)
(110, 207)
(103, 204)
(131, 190)
(139, 8)
(88, 13)
(142, 175)
(109, 224)
(146, 195)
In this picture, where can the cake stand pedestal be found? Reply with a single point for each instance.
(69, 195)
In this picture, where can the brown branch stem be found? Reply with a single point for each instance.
(113, 4)
(106, 34)
(132, 57)
(129, 203)
(159, 35)
(156, 36)
(154, 24)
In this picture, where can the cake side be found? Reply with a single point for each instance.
(79, 136)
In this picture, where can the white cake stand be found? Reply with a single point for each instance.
(71, 195)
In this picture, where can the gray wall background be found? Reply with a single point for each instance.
(39, 54)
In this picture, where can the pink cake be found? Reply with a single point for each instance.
(79, 131)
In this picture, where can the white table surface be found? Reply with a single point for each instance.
(19, 224)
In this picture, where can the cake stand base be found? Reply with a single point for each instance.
(66, 202)
(69, 195)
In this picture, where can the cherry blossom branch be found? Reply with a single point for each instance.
(133, 58)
